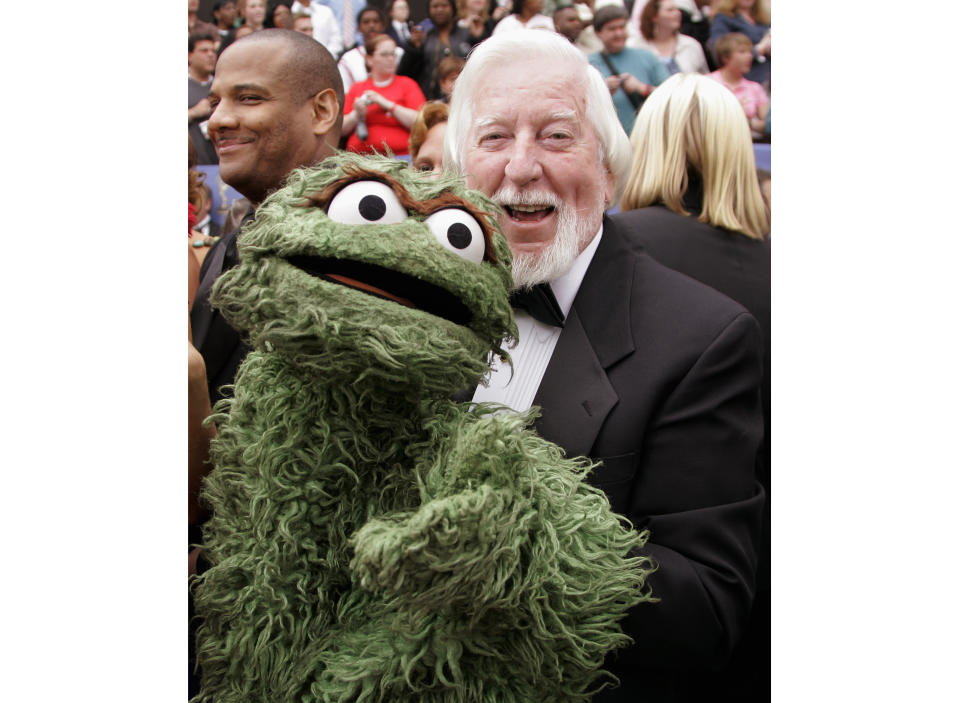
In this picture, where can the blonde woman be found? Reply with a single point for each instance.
(694, 204)
(692, 154)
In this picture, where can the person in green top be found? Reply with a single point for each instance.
(630, 73)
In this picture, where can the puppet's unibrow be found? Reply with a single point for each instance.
(352, 174)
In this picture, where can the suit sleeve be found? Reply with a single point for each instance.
(698, 465)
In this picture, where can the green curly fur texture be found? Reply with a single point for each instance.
(370, 539)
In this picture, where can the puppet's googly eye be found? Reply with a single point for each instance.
(458, 231)
(366, 203)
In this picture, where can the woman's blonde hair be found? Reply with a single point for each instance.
(691, 122)
(760, 12)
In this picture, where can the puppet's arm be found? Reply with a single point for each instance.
(458, 550)
(503, 512)
(465, 539)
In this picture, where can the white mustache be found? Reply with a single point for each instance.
(509, 196)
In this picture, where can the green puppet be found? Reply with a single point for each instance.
(371, 539)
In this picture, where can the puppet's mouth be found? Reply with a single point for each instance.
(387, 284)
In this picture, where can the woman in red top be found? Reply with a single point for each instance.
(378, 112)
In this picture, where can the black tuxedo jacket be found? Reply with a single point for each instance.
(659, 377)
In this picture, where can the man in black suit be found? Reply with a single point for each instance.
(631, 363)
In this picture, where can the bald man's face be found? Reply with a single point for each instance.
(261, 128)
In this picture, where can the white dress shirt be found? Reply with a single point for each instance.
(536, 342)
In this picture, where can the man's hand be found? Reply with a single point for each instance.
(200, 110)
(613, 82)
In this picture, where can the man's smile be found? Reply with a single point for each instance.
(528, 213)
(227, 144)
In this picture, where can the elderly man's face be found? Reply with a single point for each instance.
(261, 127)
(532, 149)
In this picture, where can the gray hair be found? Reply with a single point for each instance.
(515, 49)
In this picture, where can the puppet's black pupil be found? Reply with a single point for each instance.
(372, 207)
(458, 234)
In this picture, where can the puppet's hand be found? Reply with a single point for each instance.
(454, 551)
(464, 541)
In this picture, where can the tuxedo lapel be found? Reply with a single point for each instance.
(575, 394)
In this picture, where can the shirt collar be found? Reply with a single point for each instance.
(566, 286)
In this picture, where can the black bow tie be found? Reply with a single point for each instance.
(540, 303)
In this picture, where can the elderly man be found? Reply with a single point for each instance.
(277, 105)
(632, 364)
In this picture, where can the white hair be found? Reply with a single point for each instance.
(516, 50)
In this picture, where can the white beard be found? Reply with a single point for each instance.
(574, 231)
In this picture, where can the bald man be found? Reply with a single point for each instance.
(277, 101)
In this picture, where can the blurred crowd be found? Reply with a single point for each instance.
(392, 61)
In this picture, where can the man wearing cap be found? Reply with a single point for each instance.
(630, 73)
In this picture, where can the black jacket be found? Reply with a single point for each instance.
(659, 376)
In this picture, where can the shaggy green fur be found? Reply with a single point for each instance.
(372, 540)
